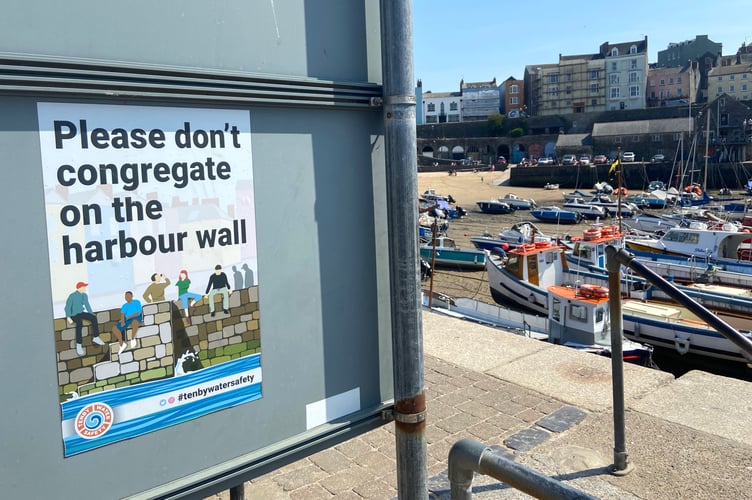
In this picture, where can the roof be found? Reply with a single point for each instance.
(669, 125)
(623, 47)
(565, 140)
(733, 69)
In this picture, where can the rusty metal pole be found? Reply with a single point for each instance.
(404, 274)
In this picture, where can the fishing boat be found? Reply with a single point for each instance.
(649, 223)
(517, 202)
(556, 214)
(528, 274)
(443, 251)
(494, 207)
(519, 233)
(573, 320)
(577, 194)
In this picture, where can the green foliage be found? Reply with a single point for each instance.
(517, 132)
(496, 124)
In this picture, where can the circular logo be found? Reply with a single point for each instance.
(93, 420)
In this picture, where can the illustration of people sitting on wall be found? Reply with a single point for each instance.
(155, 292)
(131, 316)
(218, 284)
(237, 278)
(189, 299)
(78, 310)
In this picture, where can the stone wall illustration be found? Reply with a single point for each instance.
(166, 338)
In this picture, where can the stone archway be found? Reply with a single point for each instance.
(443, 153)
(427, 152)
(458, 153)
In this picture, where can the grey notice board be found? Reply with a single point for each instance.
(194, 244)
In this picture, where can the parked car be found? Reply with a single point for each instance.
(569, 160)
(584, 160)
(658, 158)
(628, 156)
(600, 160)
(501, 161)
(546, 161)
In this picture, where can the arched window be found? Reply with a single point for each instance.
(614, 52)
(633, 49)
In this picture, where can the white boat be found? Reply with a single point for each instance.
(577, 194)
(728, 248)
(648, 223)
(527, 274)
(588, 211)
(574, 320)
(551, 186)
(518, 203)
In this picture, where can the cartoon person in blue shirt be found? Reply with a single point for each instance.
(131, 315)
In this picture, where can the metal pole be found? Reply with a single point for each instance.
(404, 275)
(621, 464)
(237, 492)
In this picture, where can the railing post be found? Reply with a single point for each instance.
(621, 463)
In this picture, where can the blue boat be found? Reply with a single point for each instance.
(495, 207)
(557, 215)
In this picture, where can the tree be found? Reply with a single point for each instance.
(496, 124)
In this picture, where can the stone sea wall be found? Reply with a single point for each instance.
(167, 343)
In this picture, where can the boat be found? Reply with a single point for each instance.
(577, 194)
(648, 223)
(556, 214)
(625, 208)
(726, 246)
(588, 211)
(518, 203)
(674, 327)
(443, 251)
(494, 207)
(519, 233)
(526, 275)
(551, 186)
(591, 335)
(654, 199)
(430, 194)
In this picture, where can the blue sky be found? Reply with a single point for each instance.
(482, 39)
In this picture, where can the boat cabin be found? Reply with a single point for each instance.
(579, 315)
(537, 263)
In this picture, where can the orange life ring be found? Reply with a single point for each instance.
(542, 244)
(592, 233)
(593, 291)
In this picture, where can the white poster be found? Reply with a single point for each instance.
(154, 278)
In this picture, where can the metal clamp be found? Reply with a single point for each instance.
(405, 418)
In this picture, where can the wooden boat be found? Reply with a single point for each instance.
(447, 253)
(557, 215)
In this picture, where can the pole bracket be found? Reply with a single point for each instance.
(405, 418)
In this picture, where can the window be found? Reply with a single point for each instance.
(633, 49)
(720, 78)
(431, 107)
(569, 77)
(594, 102)
(633, 64)
(553, 78)
(744, 87)
(578, 313)
(678, 79)
(744, 76)
(677, 136)
(635, 138)
(661, 94)
(452, 106)
(553, 91)
(514, 100)
(670, 81)
(614, 92)
(594, 74)
(613, 66)
(656, 137)
(431, 119)
(724, 119)
(663, 82)
(453, 118)
(593, 88)
(556, 310)
(614, 52)
(731, 77)
(617, 139)
(634, 77)
(719, 91)
(731, 88)
(613, 79)
(634, 91)
(679, 92)
(514, 89)
(652, 83)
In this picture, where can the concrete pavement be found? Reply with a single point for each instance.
(548, 407)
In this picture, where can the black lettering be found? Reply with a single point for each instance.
(61, 179)
(183, 136)
(64, 130)
(100, 138)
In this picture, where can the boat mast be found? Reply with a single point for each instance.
(707, 138)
